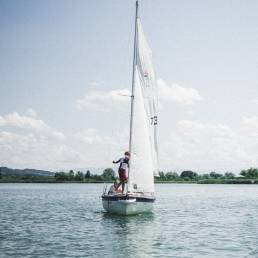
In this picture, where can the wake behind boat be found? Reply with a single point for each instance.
(139, 197)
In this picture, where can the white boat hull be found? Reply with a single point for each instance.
(124, 206)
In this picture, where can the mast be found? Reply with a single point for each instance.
(133, 78)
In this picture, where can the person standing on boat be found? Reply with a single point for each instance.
(123, 170)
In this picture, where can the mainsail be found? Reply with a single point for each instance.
(144, 152)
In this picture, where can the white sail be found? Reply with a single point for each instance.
(141, 165)
(144, 153)
(149, 89)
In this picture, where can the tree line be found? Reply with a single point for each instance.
(109, 175)
(246, 176)
(187, 175)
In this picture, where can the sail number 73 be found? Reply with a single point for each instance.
(154, 120)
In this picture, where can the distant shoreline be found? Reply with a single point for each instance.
(208, 181)
(8, 175)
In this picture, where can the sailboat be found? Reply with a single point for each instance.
(140, 196)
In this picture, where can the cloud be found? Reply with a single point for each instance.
(38, 145)
(32, 112)
(251, 123)
(206, 146)
(191, 145)
(177, 93)
(30, 123)
(35, 151)
(92, 136)
(103, 100)
(17, 120)
(97, 149)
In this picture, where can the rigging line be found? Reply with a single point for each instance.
(133, 76)
(133, 83)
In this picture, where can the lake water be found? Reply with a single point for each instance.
(67, 220)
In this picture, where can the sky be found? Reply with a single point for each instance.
(64, 66)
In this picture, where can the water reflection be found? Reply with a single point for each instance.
(132, 235)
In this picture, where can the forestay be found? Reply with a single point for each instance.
(144, 152)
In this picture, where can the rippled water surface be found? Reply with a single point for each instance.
(67, 220)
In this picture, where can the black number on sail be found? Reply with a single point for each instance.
(154, 120)
(146, 78)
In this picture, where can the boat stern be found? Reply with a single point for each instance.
(127, 205)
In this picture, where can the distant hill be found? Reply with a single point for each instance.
(24, 172)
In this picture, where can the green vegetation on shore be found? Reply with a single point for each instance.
(249, 176)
